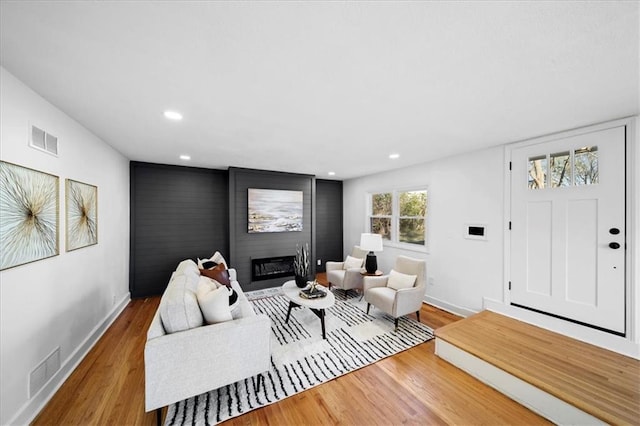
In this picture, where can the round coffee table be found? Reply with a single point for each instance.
(292, 292)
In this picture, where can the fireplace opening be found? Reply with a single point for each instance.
(271, 267)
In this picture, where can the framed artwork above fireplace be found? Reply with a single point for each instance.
(274, 210)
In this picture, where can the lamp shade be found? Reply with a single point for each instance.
(371, 242)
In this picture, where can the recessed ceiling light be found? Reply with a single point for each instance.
(185, 157)
(332, 173)
(173, 115)
(394, 156)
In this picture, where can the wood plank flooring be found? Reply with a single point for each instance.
(413, 387)
(602, 383)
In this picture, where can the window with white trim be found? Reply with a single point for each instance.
(399, 216)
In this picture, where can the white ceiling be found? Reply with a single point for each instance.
(312, 87)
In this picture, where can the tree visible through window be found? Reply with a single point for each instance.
(381, 213)
(569, 168)
(399, 216)
(413, 210)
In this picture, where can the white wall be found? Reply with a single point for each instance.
(469, 274)
(463, 189)
(68, 300)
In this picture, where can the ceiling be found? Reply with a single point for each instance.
(313, 87)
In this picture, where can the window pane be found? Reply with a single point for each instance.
(381, 204)
(537, 172)
(586, 165)
(382, 226)
(412, 231)
(413, 203)
(560, 169)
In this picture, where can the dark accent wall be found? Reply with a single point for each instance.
(245, 246)
(328, 222)
(176, 213)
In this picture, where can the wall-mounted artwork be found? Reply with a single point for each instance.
(82, 214)
(29, 202)
(274, 210)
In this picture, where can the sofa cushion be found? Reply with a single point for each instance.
(353, 262)
(179, 309)
(398, 280)
(215, 304)
(186, 265)
(189, 270)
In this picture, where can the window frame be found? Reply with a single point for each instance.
(395, 218)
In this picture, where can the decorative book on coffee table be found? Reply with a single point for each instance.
(312, 293)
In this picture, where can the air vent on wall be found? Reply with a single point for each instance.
(43, 141)
(40, 375)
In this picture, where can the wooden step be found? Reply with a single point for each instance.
(596, 381)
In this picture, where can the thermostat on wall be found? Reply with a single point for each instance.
(475, 231)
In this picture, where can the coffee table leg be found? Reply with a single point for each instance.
(321, 311)
(291, 306)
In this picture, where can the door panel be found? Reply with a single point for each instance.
(582, 258)
(566, 195)
(539, 248)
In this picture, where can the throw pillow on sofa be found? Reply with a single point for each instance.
(214, 304)
(219, 273)
(215, 258)
(208, 284)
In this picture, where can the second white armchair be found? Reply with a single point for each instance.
(399, 293)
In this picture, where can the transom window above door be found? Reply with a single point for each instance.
(561, 169)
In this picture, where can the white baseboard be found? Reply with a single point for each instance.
(32, 408)
(538, 401)
(454, 309)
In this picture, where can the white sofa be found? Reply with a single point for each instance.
(184, 357)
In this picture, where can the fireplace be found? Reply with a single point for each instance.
(271, 267)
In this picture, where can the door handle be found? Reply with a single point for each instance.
(614, 246)
(614, 231)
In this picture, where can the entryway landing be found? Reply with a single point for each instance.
(565, 380)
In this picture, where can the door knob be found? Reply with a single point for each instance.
(614, 231)
(614, 245)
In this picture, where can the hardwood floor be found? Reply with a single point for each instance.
(597, 381)
(413, 387)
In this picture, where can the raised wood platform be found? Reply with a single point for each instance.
(601, 383)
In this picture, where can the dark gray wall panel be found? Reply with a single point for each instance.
(176, 213)
(245, 246)
(328, 221)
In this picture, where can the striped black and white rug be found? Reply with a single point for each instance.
(301, 359)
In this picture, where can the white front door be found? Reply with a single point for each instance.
(568, 228)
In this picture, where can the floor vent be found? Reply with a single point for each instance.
(40, 375)
(43, 141)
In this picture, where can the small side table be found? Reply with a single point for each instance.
(366, 274)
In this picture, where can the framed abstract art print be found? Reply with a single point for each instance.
(82, 214)
(29, 215)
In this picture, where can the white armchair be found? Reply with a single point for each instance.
(399, 293)
(345, 275)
